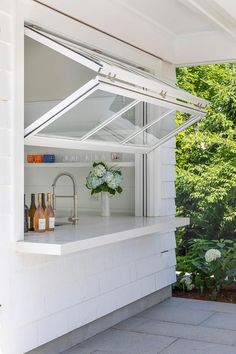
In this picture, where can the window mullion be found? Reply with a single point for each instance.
(109, 120)
(146, 126)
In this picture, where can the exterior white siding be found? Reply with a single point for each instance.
(43, 297)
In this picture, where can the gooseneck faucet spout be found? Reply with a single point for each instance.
(74, 219)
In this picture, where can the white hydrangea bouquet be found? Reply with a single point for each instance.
(104, 179)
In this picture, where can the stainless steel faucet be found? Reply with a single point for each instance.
(74, 218)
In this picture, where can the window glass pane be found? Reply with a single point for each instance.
(87, 115)
(129, 123)
(159, 130)
(50, 77)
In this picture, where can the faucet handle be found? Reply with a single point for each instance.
(73, 219)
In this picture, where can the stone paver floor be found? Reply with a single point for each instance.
(175, 326)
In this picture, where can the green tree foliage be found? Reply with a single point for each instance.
(206, 156)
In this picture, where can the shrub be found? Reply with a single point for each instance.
(211, 264)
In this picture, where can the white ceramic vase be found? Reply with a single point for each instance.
(105, 204)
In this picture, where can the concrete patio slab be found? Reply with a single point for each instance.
(183, 346)
(222, 320)
(176, 314)
(178, 330)
(200, 305)
(175, 326)
(116, 341)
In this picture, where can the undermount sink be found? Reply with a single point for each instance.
(62, 223)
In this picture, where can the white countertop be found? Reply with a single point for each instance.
(94, 231)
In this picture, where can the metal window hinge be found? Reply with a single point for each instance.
(111, 77)
(163, 93)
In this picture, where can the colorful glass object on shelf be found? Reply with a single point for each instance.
(38, 158)
(30, 158)
(48, 158)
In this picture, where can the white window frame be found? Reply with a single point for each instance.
(110, 79)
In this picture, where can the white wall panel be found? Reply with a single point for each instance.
(5, 25)
(5, 56)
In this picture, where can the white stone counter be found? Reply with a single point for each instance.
(94, 231)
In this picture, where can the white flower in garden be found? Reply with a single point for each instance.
(187, 281)
(212, 255)
(99, 170)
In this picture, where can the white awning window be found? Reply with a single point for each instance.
(115, 106)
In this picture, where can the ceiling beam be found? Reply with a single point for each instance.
(214, 12)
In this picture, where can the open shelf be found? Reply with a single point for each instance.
(77, 164)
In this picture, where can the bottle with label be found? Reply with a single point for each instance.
(32, 210)
(26, 214)
(43, 201)
(39, 216)
(49, 214)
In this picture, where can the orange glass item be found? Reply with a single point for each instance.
(38, 158)
(30, 158)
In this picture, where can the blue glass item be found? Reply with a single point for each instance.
(48, 158)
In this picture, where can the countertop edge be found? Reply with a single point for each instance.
(29, 247)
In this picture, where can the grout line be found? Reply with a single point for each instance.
(207, 318)
(169, 345)
(178, 337)
(225, 329)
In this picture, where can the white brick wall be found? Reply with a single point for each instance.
(44, 297)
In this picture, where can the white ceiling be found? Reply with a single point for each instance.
(179, 31)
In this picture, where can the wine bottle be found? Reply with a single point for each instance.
(32, 210)
(43, 201)
(39, 216)
(49, 214)
(26, 214)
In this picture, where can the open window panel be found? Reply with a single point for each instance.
(112, 106)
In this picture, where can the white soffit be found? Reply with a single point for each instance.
(178, 31)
